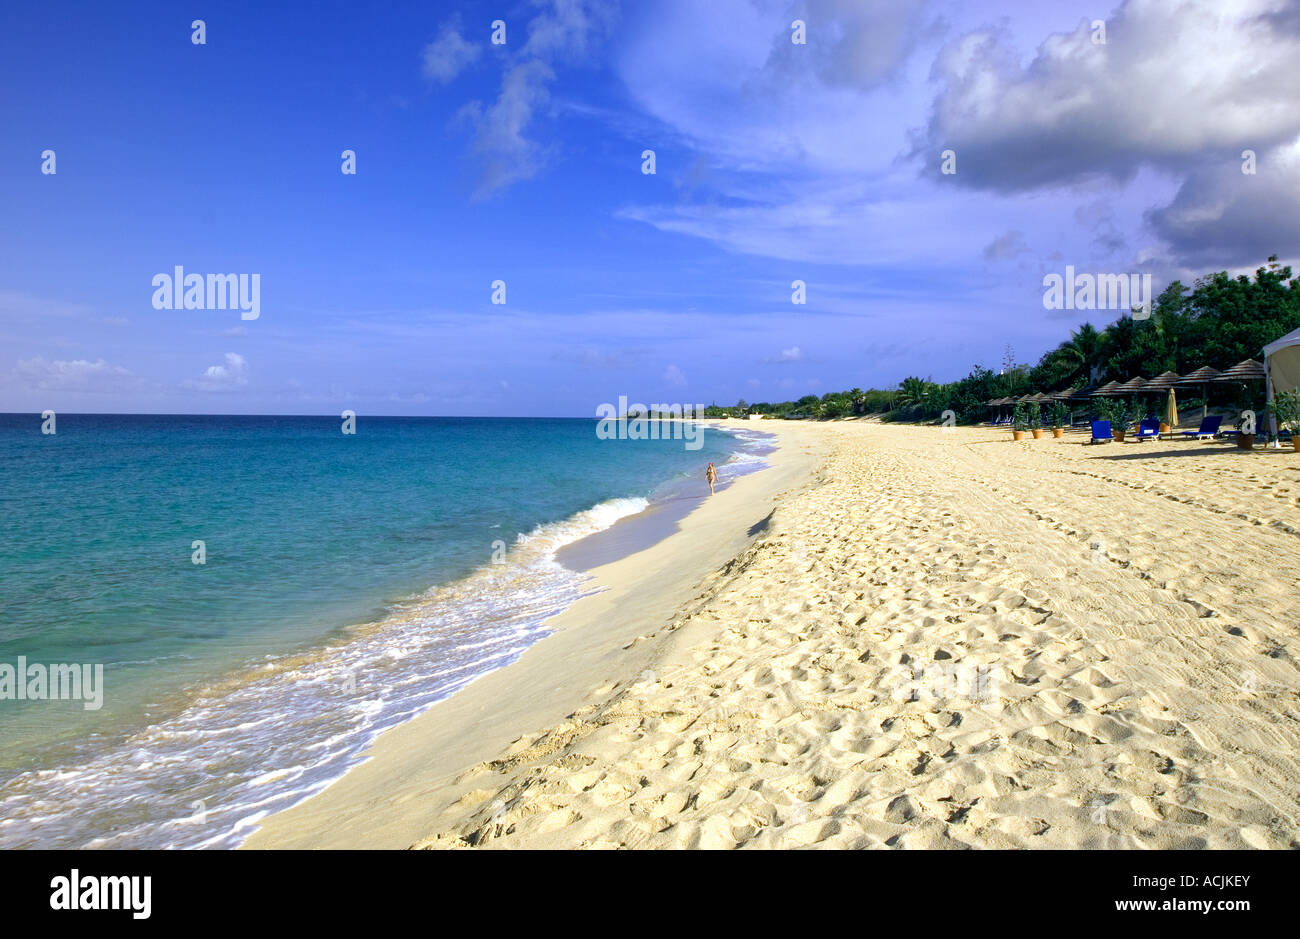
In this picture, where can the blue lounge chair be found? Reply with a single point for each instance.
(1149, 430)
(1101, 432)
(1209, 427)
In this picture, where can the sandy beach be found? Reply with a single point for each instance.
(896, 636)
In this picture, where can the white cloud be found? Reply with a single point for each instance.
(674, 376)
(502, 130)
(883, 221)
(508, 154)
(1174, 80)
(727, 79)
(227, 377)
(448, 55)
(787, 355)
(96, 377)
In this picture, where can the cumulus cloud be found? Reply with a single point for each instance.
(1222, 217)
(786, 355)
(808, 147)
(1174, 79)
(96, 377)
(230, 376)
(448, 55)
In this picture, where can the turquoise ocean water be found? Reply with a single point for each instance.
(349, 582)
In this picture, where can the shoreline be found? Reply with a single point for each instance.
(369, 806)
(920, 638)
(952, 641)
(661, 518)
(295, 720)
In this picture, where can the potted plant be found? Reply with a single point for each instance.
(1019, 422)
(1035, 419)
(1245, 441)
(1286, 410)
(1059, 415)
(1126, 413)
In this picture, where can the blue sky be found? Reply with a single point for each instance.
(522, 162)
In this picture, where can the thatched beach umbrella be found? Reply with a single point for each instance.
(1202, 376)
(1040, 398)
(1070, 396)
(1162, 381)
(1132, 387)
(1249, 370)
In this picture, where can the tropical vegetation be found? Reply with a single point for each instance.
(1219, 321)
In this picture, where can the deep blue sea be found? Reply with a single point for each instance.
(347, 583)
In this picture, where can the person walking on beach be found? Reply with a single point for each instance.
(712, 476)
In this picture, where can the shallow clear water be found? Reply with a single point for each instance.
(349, 582)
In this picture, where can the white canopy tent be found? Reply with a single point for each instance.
(1281, 368)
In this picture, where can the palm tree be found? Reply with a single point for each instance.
(912, 392)
(1086, 340)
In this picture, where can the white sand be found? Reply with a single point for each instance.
(1133, 608)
